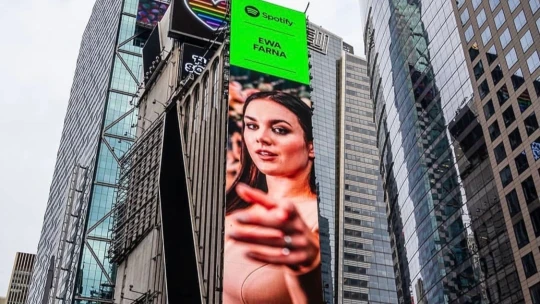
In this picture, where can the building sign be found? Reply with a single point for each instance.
(266, 38)
(272, 248)
(150, 12)
(194, 60)
(198, 19)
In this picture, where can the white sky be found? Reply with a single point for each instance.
(38, 54)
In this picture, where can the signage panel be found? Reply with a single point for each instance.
(198, 19)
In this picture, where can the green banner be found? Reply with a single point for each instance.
(270, 39)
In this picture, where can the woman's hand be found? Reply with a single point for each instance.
(281, 237)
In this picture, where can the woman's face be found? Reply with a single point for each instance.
(275, 140)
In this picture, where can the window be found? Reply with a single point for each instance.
(521, 162)
(520, 21)
(489, 110)
(513, 4)
(506, 176)
(535, 147)
(502, 95)
(465, 16)
(529, 265)
(535, 290)
(493, 4)
(505, 38)
(508, 116)
(521, 234)
(535, 4)
(515, 139)
(511, 58)
(478, 69)
(531, 124)
(473, 52)
(517, 79)
(526, 41)
(535, 219)
(500, 153)
(476, 3)
(513, 202)
(499, 19)
(486, 36)
(533, 62)
(494, 131)
(469, 33)
(529, 190)
(497, 74)
(481, 18)
(491, 54)
(483, 89)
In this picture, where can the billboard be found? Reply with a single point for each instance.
(198, 19)
(272, 248)
(150, 12)
(194, 60)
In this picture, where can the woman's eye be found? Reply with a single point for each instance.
(251, 126)
(281, 131)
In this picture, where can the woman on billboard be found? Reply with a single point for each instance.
(272, 251)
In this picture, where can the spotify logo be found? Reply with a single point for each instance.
(252, 11)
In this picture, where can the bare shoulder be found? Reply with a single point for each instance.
(308, 210)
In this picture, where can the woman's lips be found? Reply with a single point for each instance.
(265, 154)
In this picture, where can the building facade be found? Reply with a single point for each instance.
(364, 259)
(72, 263)
(20, 278)
(419, 80)
(500, 40)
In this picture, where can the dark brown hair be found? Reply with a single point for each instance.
(249, 173)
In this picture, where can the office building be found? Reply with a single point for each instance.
(20, 278)
(72, 263)
(364, 258)
(2, 300)
(419, 80)
(500, 42)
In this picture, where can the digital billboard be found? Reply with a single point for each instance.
(197, 19)
(272, 248)
(194, 60)
(269, 39)
(150, 12)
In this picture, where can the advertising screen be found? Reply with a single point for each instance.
(197, 19)
(272, 248)
(194, 60)
(150, 12)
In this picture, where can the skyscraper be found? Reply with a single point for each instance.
(364, 261)
(500, 40)
(419, 79)
(20, 278)
(72, 258)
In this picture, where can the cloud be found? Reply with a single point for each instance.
(39, 51)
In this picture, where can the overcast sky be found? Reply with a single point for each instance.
(39, 50)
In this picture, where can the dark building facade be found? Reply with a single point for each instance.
(500, 40)
(20, 278)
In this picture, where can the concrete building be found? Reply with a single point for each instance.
(500, 40)
(20, 278)
(72, 263)
(364, 258)
(2, 300)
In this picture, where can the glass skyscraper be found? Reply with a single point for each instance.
(419, 79)
(72, 259)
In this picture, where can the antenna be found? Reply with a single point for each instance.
(307, 7)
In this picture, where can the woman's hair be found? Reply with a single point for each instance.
(249, 173)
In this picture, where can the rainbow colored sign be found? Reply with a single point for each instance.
(210, 12)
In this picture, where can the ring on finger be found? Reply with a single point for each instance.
(288, 241)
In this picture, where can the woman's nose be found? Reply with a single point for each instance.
(263, 137)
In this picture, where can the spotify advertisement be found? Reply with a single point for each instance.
(272, 248)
